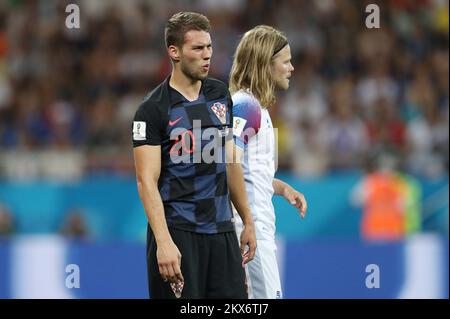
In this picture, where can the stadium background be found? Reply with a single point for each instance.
(361, 100)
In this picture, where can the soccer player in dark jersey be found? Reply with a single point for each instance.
(183, 150)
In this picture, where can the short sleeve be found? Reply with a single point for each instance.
(246, 118)
(147, 124)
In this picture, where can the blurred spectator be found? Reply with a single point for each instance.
(305, 101)
(6, 221)
(375, 51)
(103, 124)
(302, 110)
(75, 226)
(345, 133)
(390, 200)
(428, 139)
(386, 130)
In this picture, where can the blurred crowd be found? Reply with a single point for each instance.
(67, 96)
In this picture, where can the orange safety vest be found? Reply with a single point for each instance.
(384, 208)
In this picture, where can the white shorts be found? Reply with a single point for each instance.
(263, 277)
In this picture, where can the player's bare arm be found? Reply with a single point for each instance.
(294, 197)
(238, 194)
(148, 166)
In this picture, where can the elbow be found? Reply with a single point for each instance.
(144, 184)
(140, 180)
(140, 184)
(140, 187)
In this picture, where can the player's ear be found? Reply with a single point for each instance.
(174, 52)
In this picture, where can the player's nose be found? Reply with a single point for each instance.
(207, 53)
(291, 69)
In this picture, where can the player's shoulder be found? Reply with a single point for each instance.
(246, 115)
(155, 100)
(244, 100)
(157, 95)
(215, 88)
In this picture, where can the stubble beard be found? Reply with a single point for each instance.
(194, 76)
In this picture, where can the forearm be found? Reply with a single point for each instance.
(279, 186)
(238, 193)
(154, 209)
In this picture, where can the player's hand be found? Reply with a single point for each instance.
(296, 199)
(169, 262)
(248, 239)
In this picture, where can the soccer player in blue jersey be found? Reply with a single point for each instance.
(262, 64)
(183, 150)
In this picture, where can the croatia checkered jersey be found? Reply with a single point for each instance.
(194, 191)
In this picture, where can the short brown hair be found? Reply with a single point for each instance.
(182, 22)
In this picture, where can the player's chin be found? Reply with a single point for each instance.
(284, 85)
(202, 75)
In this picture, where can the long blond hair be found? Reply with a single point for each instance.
(252, 62)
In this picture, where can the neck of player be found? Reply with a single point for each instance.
(188, 87)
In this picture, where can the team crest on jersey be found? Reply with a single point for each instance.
(220, 110)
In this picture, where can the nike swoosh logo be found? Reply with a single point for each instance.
(172, 123)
